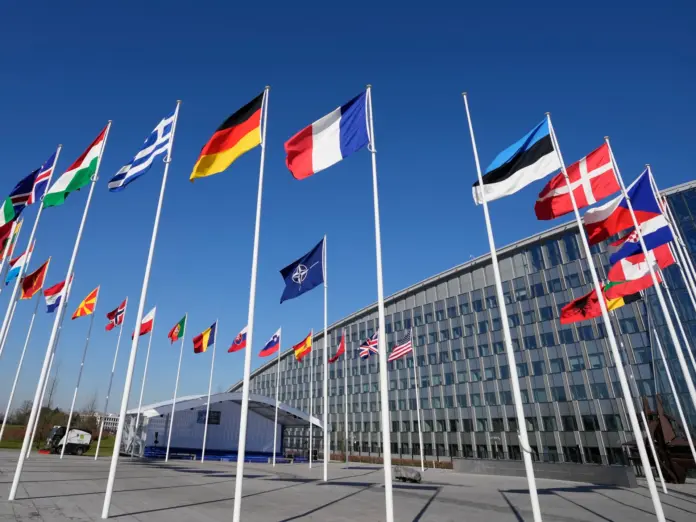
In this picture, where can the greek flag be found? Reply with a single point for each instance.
(157, 144)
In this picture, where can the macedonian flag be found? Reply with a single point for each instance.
(238, 134)
(87, 305)
(303, 348)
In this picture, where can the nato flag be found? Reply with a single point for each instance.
(304, 274)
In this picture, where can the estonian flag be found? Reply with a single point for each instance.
(527, 160)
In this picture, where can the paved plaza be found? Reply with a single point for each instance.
(182, 491)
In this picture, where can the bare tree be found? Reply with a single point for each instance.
(53, 386)
(90, 406)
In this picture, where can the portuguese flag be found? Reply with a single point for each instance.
(78, 175)
(177, 332)
(238, 134)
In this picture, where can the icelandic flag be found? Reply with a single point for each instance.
(53, 296)
(655, 232)
(272, 345)
(304, 274)
(42, 180)
(613, 217)
(329, 139)
(158, 143)
(16, 266)
(239, 342)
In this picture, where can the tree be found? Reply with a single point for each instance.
(20, 416)
(53, 386)
(87, 419)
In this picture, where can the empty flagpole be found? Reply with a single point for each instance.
(38, 417)
(682, 257)
(345, 394)
(326, 372)
(79, 375)
(418, 410)
(311, 397)
(111, 381)
(275, 423)
(381, 344)
(54, 332)
(514, 379)
(176, 389)
(241, 446)
(138, 319)
(210, 389)
(142, 385)
(673, 306)
(19, 368)
(635, 424)
(654, 453)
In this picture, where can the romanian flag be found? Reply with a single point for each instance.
(33, 283)
(204, 340)
(303, 348)
(238, 134)
(87, 305)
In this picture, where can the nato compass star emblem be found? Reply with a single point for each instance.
(301, 272)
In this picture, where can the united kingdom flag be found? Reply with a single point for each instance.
(116, 316)
(369, 346)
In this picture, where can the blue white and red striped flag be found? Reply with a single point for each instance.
(369, 346)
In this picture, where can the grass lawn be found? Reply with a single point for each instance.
(11, 444)
(105, 448)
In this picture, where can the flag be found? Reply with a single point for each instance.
(147, 324)
(86, 307)
(22, 192)
(613, 304)
(239, 342)
(306, 273)
(303, 347)
(592, 179)
(341, 349)
(655, 232)
(582, 308)
(204, 339)
(613, 217)
(157, 144)
(5, 231)
(7, 212)
(33, 283)
(177, 332)
(329, 139)
(272, 345)
(525, 161)
(17, 264)
(53, 296)
(632, 274)
(42, 180)
(78, 175)
(238, 134)
(369, 346)
(404, 346)
(116, 316)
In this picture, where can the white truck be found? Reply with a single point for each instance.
(78, 441)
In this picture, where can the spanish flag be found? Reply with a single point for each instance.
(238, 134)
(87, 305)
(303, 348)
(204, 340)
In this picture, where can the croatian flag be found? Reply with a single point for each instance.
(271, 346)
(43, 179)
(655, 232)
(53, 296)
(239, 342)
(329, 139)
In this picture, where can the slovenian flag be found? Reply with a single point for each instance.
(329, 139)
(271, 346)
(53, 296)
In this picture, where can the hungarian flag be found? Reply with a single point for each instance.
(632, 274)
(147, 324)
(239, 342)
(33, 283)
(87, 305)
(341, 349)
(205, 339)
(238, 134)
(116, 316)
(177, 332)
(303, 348)
(592, 179)
(78, 175)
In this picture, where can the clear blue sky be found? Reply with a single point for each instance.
(626, 71)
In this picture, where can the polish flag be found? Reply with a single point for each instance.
(148, 323)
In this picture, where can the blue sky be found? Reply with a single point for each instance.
(626, 71)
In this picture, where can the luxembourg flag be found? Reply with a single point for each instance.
(271, 346)
(16, 266)
(239, 342)
(53, 296)
(329, 139)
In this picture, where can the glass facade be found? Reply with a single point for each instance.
(573, 405)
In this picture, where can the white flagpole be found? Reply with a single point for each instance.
(418, 409)
(654, 453)
(326, 372)
(138, 319)
(210, 389)
(383, 378)
(680, 245)
(311, 397)
(19, 368)
(59, 317)
(111, 381)
(275, 423)
(79, 375)
(9, 313)
(10, 244)
(679, 321)
(241, 446)
(345, 394)
(686, 276)
(514, 379)
(176, 389)
(633, 417)
(142, 385)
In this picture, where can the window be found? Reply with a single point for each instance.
(425, 381)
(555, 285)
(491, 301)
(532, 424)
(522, 370)
(444, 335)
(553, 253)
(483, 327)
(586, 333)
(513, 320)
(392, 384)
(512, 423)
(452, 311)
(420, 340)
(497, 424)
(529, 317)
(461, 376)
(456, 332)
(403, 383)
(432, 358)
(569, 423)
(540, 395)
(449, 401)
(557, 365)
(449, 378)
(629, 325)
(549, 423)
(454, 425)
(437, 380)
(437, 402)
(484, 350)
(596, 360)
(506, 397)
(537, 289)
(489, 374)
(539, 367)
(425, 404)
(577, 392)
(491, 399)
(461, 401)
(537, 258)
(525, 396)
(432, 337)
(481, 424)
(498, 347)
(428, 317)
(456, 354)
(428, 426)
(599, 390)
(566, 336)
(570, 242)
(576, 363)
(464, 305)
(558, 394)
(476, 399)
(475, 375)
(547, 339)
(613, 422)
(477, 305)
(504, 371)
(530, 342)
(439, 315)
(573, 280)
(417, 318)
(546, 313)
(590, 422)
(397, 327)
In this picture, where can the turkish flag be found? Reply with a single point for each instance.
(341, 349)
(592, 179)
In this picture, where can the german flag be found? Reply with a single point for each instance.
(303, 348)
(87, 305)
(239, 133)
(204, 339)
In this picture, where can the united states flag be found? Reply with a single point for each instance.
(404, 346)
(369, 346)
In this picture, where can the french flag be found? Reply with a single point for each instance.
(329, 139)
(239, 342)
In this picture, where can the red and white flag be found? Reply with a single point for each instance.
(116, 316)
(592, 179)
(634, 272)
(403, 346)
(148, 322)
(341, 349)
